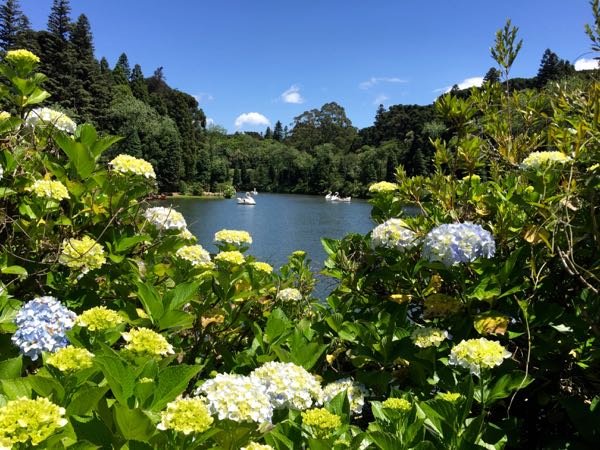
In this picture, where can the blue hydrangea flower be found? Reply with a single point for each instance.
(458, 243)
(42, 324)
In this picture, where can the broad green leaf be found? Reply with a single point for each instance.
(120, 378)
(79, 156)
(172, 381)
(153, 304)
(11, 368)
(507, 384)
(181, 295)
(133, 423)
(277, 324)
(85, 399)
(15, 270)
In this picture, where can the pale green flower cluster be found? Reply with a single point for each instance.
(187, 235)
(238, 398)
(393, 233)
(289, 385)
(51, 189)
(299, 253)
(448, 396)
(233, 257)
(147, 342)
(428, 337)
(186, 415)
(71, 359)
(196, 255)
(354, 391)
(127, 164)
(99, 318)
(321, 422)
(399, 404)
(29, 422)
(256, 446)
(262, 267)
(21, 55)
(47, 116)
(235, 237)
(289, 295)
(536, 160)
(383, 186)
(85, 254)
(477, 354)
(4, 115)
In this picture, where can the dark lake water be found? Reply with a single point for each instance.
(279, 224)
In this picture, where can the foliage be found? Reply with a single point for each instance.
(466, 319)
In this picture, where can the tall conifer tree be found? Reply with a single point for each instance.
(10, 23)
(59, 22)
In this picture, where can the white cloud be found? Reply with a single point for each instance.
(586, 64)
(376, 80)
(464, 84)
(380, 99)
(292, 95)
(210, 121)
(251, 118)
(203, 97)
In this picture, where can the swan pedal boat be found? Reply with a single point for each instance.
(247, 200)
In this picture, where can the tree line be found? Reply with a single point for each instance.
(320, 151)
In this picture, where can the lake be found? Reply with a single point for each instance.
(279, 224)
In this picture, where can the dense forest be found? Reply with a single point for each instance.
(321, 150)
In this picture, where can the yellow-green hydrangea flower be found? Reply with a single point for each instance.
(399, 404)
(147, 342)
(196, 255)
(85, 254)
(477, 354)
(428, 337)
(354, 391)
(257, 446)
(235, 237)
(99, 318)
(448, 396)
(262, 267)
(127, 164)
(299, 253)
(21, 55)
(29, 422)
(51, 189)
(321, 422)
(383, 186)
(233, 257)
(71, 359)
(536, 160)
(4, 115)
(186, 415)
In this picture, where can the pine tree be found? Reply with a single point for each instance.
(26, 37)
(268, 133)
(552, 68)
(57, 55)
(278, 132)
(85, 69)
(492, 76)
(59, 22)
(138, 84)
(10, 24)
(122, 71)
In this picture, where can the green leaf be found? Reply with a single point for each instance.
(120, 378)
(507, 384)
(172, 381)
(80, 157)
(151, 301)
(104, 143)
(181, 295)
(124, 244)
(11, 368)
(176, 319)
(16, 387)
(85, 399)
(133, 423)
(15, 270)
(277, 324)
(37, 96)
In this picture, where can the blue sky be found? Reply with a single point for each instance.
(251, 63)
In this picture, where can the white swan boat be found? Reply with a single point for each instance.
(246, 200)
(328, 196)
(335, 197)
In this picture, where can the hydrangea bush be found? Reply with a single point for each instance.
(466, 319)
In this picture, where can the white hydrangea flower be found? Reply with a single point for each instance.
(238, 398)
(355, 391)
(289, 385)
(289, 295)
(47, 116)
(165, 218)
(393, 233)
